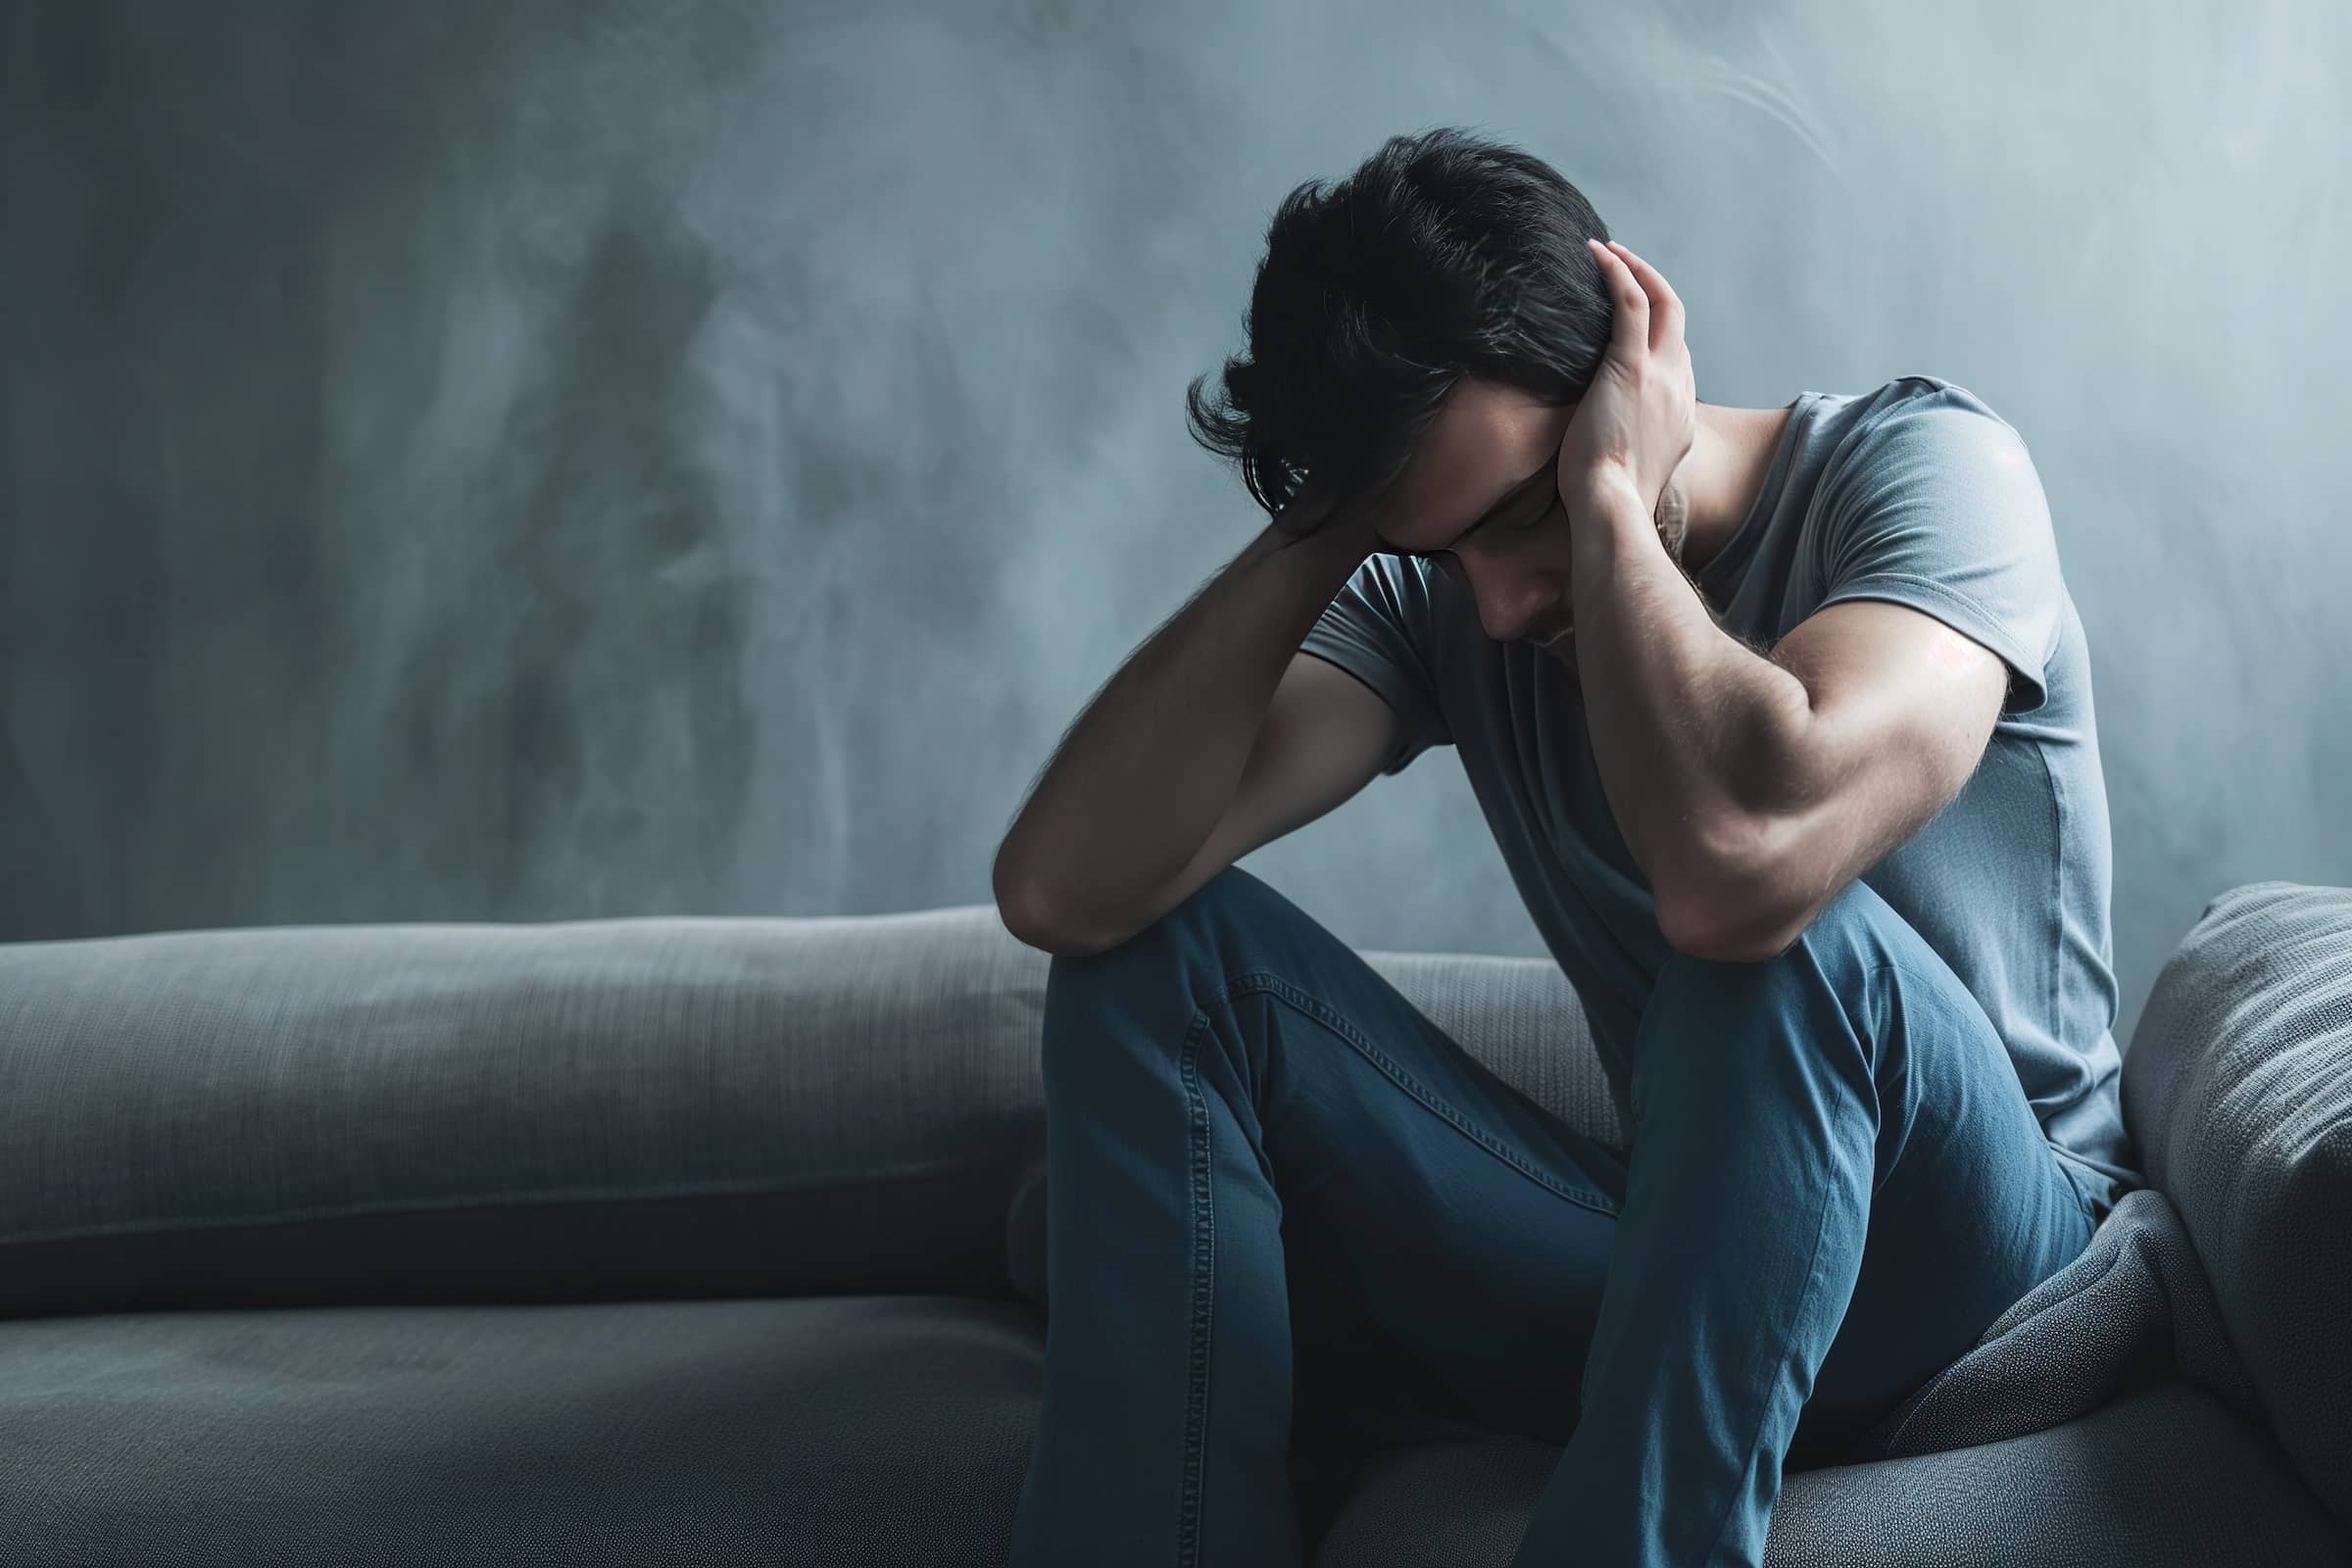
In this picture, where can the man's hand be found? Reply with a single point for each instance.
(1638, 421)
(1320, 514)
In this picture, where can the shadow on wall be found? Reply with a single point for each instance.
(589, 648)
(44, 899)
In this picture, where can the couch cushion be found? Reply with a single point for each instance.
(598, 1110)
(876, 1430)
(890, 1431)
(2132, 1307)
(2167, 1478)
(2238, 1091)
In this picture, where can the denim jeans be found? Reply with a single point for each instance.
(1835, 1185)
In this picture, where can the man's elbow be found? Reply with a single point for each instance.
(1714, 925)
(1031, 928)
(1693, 927)
(1736, 898)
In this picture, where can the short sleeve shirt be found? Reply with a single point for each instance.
(1915, 493)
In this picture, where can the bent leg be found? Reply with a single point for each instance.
(1230, 1093)
(1835, 1185)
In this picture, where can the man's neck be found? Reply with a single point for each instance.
(1725, 472)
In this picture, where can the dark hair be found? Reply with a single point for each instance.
(1444, 254)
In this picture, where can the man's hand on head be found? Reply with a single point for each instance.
(1320, 511)
(1640, 417)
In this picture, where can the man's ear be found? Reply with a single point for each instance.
(1672, 515)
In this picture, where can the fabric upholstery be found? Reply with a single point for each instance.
(808, 1433)
(2238, 1087)
(2165, 1478)
(557, 1143)
(572, 1112)
(2133, 1309)
(891, 1432)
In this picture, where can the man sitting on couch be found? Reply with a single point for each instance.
(1782, 719)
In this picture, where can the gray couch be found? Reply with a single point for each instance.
(719, 1241)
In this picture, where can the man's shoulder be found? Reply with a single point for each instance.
(1898, 432)
(1908, 404)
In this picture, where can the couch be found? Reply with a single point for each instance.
(721, 1240)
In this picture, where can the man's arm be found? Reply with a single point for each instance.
(1152, 764)
(1690, 730)
(1752, 790)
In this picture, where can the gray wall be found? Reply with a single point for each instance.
(555, 460)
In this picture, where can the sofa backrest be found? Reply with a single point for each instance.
(595, 1110)
(489, 1112)
(2238, 1088)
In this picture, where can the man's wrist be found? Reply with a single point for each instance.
(1607, 510)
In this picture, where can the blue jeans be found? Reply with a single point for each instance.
(1835, 1185)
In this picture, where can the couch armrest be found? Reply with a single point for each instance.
(483, 1113)
(2238, 1090)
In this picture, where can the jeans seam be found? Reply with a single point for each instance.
(1306, 1002)
(1821, 1228)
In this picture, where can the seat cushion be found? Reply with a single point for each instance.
(2166, 1477)
(2134, 1304)
(887, 1431)
(2238, 1091)
(822, 1431)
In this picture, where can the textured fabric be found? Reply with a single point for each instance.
(1918, 493)
(580, 1110)
(2240, 1085)
(2133, 1309)
(1836, 1187)
(2166, 1477)
(192, 1079)
(888, 1432)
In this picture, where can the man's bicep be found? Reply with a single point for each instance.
(1952, 521)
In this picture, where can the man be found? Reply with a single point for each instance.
(1782, 718)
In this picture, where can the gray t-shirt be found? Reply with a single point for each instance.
(1917, 493)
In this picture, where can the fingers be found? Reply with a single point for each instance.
(1659, 309)
(1666, 305)
(1629, 330)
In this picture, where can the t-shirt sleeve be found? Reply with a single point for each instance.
(1945, 511)
(1379, 629)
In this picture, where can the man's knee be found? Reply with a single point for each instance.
(1854, 932)
(1833, 982)
(1231, 893)
(1080, 989)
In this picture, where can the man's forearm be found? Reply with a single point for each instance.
(1690, 726)
(1152, 763)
